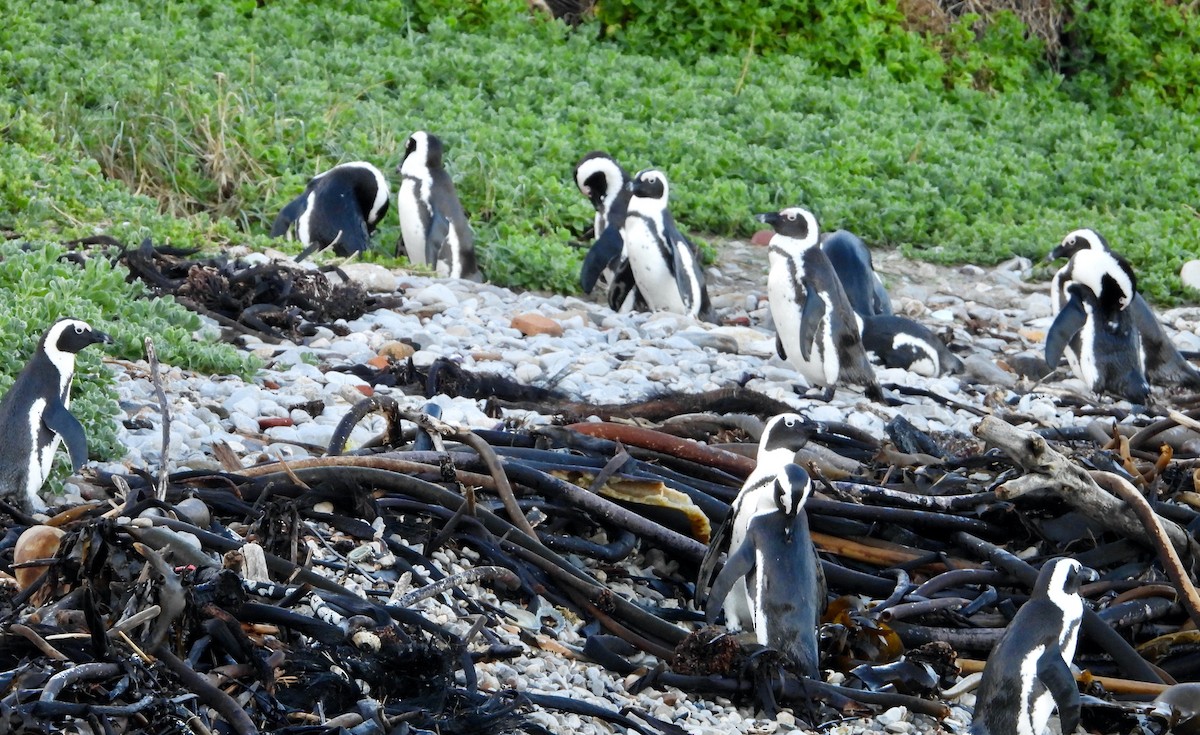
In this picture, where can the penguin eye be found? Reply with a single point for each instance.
(78, 329)
(790, 422)
(791, 216)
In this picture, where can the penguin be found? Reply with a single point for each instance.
(779, 566)
(1028, 673)
(816, 329)
(433, 227)
(36, 417)
(1164, 364)
(1096, 324)
(339, 207)
(899, 342)
(851, 260)
(782, 437)
(606, 185)
(665, 264)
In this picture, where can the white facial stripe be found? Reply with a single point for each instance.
(653, 172)
(612, 177)
(1088, 236)
(64, 362)
(1088, 267)
(903, 339)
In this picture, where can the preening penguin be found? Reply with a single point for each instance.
(606, 185)
(782, 437)
(851, 261)
(779, 566)
(433, 227)
(899, 342)
(1096, 325)
(340, 207)
(1164, 364)
(36, 417)
(1028, 673)
(665, 264)
(815, 328)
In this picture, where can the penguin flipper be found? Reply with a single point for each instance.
(60, 420)
(1056, 675)
(739, 564)
(607, 248)
(439, 230)
(623, 286)
(288, 215)
(882, 302)
(810, 319)
(1066, 325)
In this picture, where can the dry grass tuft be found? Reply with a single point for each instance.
(1043, 18)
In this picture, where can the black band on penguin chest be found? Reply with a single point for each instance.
(664, 247)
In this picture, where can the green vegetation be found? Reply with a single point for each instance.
(951, 146)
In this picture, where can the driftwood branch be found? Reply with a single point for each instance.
(1048, 470)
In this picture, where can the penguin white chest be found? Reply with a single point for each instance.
(414, 212)
(650, 269)
(785, 292)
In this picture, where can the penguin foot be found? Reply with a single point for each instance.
(825, 395)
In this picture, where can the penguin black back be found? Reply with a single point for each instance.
(340, 207)
(851, 260)
(1028, 673)
(35, 414)
(899, 342)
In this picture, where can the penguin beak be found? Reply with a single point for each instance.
(1087, 575)
(101, 338)
(769, 218)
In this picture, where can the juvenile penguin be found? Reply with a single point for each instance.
(815, 328)
(1028, 673)
(606, 185)
(899, 342)
(782, 437)
(779, 566)
(35, 416)
(1095, 323)
(433, 227)
(851, 260)
(665, 264)
(339, 207)
(1164, 364)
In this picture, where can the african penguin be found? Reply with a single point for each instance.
(339, 207)
(781, 438)
(665, 264)
(851, 261)
(899, 342)
(816, 330)
(606, 185)
(35, 416)
(779, 566)
(1028, 673)
(433, 227)
(1095, 323)
(1164, 364)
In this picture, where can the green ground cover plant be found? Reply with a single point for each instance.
(216, 113)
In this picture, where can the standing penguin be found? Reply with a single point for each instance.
(433, 227)
(606, 185)
(340, 207)
(899, 342)
(779, 566)
(815, 328)
(1164, 364)
(35, 415)
(782, 437)
(1096, 324)
(851, 260)
(1028, 673)
(665, 264)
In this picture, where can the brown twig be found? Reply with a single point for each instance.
(165, 411)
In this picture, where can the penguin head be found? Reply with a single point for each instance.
(1061, 578)
(789, 431)
(795, 223)
(1083, 239)
(70, 336)
(600, 177)
(650, 183)
(1107, 275)
(792, 488)
(423, 149)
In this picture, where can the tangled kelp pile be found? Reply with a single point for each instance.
(294, 597)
